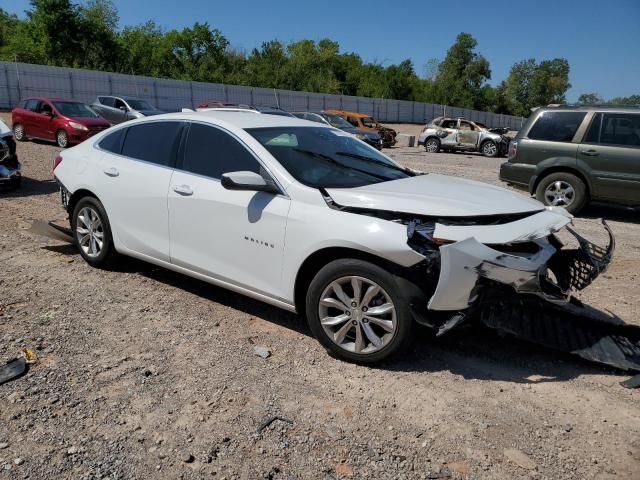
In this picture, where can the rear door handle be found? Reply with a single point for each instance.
(183, 190)
(590, 153)
(112, 172)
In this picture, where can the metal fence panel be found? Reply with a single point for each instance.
(20, 80)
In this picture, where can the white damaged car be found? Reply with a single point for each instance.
(310, 219)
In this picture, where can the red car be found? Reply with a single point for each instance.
(63, 121)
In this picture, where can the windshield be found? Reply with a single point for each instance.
(140, 105)
(323, 157)
(75, 109)
(369, 122)
(336, 121)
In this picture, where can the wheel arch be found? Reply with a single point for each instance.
(318, 259)
(76, 197)
(557, 169)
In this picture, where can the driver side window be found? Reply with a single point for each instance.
(119, 104)
(466, 126)
(45, 108)
(210, 152)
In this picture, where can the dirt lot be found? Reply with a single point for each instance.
(144, 373)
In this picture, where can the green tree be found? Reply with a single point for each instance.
(631, 100)
(590, 98)
(462, 74)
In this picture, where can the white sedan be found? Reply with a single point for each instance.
(310, 219)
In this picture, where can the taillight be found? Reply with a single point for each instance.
(57, 161)
(513, 150)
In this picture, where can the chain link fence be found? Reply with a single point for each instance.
(21, 80)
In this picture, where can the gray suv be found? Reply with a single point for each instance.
(120, 109)
(569, 155)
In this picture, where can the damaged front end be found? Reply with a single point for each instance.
(10, 168)
(540, 266)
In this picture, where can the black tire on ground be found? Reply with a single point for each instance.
(489, 149)
(553, 185)
(338, 269)
(62, 139)
(107, 254)
(15, 183)
(432, 145)
(19, 133)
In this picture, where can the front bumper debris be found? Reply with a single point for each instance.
(466, 265)
(573, 328)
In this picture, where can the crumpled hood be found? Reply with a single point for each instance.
(436, 195)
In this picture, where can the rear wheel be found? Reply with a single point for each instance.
(92, 232)
(432, 145)
(19, 133)
(355, 310)
(562, 189)
(62, 139)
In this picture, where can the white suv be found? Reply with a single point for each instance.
(309, 218)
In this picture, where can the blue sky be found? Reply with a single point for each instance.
(601, 39)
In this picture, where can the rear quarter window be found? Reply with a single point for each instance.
(556, 126)
(112, 142)
(153, 142)
(31, 104)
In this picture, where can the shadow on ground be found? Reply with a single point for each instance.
(30, 188)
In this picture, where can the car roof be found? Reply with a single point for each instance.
(347, 112)
(600, 107)
(240, 119)
(52, 99)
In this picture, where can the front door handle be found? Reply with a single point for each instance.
(183, 190)
(112, 172)
(590, 153)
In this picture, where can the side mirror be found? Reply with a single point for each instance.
(48, 113)
(248, 181)
(123, 108)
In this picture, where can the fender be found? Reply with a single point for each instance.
(558, 164)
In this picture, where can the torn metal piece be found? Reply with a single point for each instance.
(577, 329)
(13, 369)
(633, 382)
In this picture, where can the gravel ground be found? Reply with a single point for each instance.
(144, 373)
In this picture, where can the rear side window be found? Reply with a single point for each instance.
(31, 104)
(154, 142)
(353, 121)
(620, 129)
(556, 126)
(211, 152)
(108, 101)
(449, 124)
(113, 141)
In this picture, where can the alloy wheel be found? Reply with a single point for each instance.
(18, 132)
(89, 232)
(433, 146)
(357, 314)
(489, 149)
(62, 138)
(559, 193)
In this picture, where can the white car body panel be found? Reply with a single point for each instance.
(435, 195)
(235, 236)
(255, 242)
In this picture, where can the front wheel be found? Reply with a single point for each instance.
(92, 232)
(19, 133)
(356, 311)
(489, 149)
(432, 145)
(562, 189)
(62, 139)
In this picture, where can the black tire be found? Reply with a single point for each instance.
(19, 132)
(107, 255)
(574, 203)
(62, 139)
(490, 149)
(337, 270)
(15, 183)
(432, 145)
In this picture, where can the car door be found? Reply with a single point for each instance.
(467, 134)
(610, 151)
(120, 111)
(233, 236)
(450, 126)
(133, 183)
(46, 121)
(104, 107)
(28, 116)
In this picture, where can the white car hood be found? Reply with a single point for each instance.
(435, 195)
